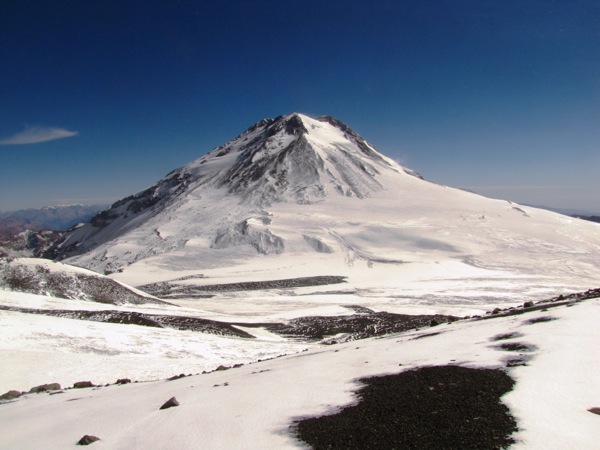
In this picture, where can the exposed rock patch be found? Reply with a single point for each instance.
(143, 319)
(515, 347)
(540, 320)
(356, 326)
(449, 407)
(170, 289)
(502, 337)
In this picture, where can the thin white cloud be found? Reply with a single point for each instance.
(36, 135)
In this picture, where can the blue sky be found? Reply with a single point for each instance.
(100, 99)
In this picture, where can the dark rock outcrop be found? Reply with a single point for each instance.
(10, 395)
(45, 387)
(449, 407)
(170, 403)
(88, 439)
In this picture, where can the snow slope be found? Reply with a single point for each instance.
(297, 197)
(254, 405)
(35, 348)
(41, 276)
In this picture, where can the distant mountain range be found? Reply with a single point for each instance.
(30, 232)
(53, 218)
(590, 218)
(585, 215)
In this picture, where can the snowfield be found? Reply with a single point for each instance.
(36, 348)
(254, 406)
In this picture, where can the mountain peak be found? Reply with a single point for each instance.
(295, 158)
(289, 159)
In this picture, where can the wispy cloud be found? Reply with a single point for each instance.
(36, 135)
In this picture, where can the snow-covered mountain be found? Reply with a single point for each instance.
(291, 159)
(298, 238)
(301, 197)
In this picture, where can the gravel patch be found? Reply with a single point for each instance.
(449, 407)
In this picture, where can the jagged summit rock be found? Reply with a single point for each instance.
(292, 158)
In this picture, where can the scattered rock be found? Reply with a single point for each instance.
(10, 395)
(516, 362)
(88, 439)
(515, 347)
(502, 337)
(170, 403)
(540, 319)
(426, 335)
(83, 384)
(123, 381)
(46, 387)
(222, 368)
(528, 305)
(176, 377)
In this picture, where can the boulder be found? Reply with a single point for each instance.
(176, 377)
(46, 387)
(123, 381)
(170, 403)
(88, 439)
(10, 395)
(83, 384)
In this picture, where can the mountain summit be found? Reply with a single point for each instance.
(291, 158)
(296, 158)
(297, 196)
